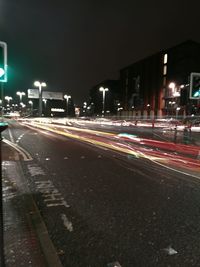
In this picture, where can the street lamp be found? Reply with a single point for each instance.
(45, 105)
(8, 98)
(31, 103)
(45, 102)
(67, 97)
(40, 85)
(171, 103)
(177, 110)
(103, 90)
(20, 94)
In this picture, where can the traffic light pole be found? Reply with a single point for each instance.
(2, 101)
(3, 126)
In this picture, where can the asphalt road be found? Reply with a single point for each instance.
(104, 208)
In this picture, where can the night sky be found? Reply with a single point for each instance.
(74, 45)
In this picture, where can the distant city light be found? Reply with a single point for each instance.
(57, 110)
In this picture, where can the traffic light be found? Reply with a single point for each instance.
(195, 85)
(3, 62)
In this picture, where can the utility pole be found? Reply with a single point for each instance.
(3, 126)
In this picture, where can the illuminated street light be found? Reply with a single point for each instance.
(177, 110)
(30, 102)
(40, 85)
(45, 102)
(67, 97)
(8, 98)
(22, 105)
(175, 89)
(103, 90)
(172, 85)
(20, 94)
(172, 103)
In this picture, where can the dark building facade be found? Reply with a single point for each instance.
(159, 84)
(111, 99)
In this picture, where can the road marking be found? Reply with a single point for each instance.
(52, 197)
(172, 169)
(26, 156)
(35, 170)
(20, 137)
(11, 136)
(170, 251)
(67, 223)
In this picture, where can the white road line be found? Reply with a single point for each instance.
(67, 223)
(26, 156)
(35, 170)
(11, 136)
(170, 168)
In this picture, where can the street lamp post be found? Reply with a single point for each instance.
(67, 97)
(31, 103)
(45, 102)
(40, 85)
(8, 98)
(20, 94)
(172, 103)
(45, 105)
(103, 90)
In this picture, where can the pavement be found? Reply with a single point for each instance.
(26, 239)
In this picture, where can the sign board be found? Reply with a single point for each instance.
(33, 93)
(52, 95)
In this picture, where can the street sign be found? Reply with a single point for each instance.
(52, 95)
(33, 93)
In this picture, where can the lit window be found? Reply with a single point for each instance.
(165, 70)
(165, 58)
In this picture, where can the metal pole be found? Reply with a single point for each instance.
(103, 101)
(2, 100)
(3, 126)
(40, 100)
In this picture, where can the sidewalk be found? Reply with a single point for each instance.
(26, 240)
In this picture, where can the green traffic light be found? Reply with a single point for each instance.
(2, 72)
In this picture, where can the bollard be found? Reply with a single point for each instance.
(3, 126)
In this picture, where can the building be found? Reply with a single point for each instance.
(159, 84)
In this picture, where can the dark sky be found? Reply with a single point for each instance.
(73, 45)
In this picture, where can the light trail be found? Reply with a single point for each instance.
(120, 144)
